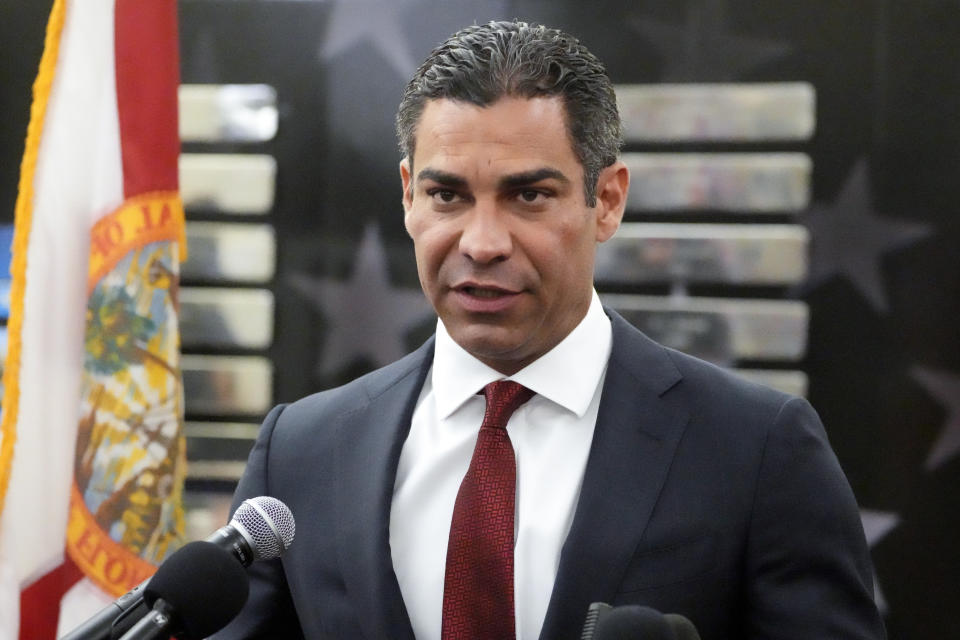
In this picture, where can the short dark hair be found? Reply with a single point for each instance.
(483, 63)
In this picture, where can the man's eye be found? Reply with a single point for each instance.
(531, 195)
(442, 195)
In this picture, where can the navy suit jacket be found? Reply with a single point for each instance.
(703, 495)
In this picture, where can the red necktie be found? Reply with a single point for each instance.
(478, 585)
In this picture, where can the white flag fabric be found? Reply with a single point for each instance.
(92, 456)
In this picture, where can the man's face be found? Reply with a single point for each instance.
(504, 239)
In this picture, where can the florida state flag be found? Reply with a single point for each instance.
(92, 458)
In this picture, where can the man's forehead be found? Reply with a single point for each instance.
(435, 103)
(513, 135)
(510, 115)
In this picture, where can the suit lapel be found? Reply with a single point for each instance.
(634, 442)
(370, 440)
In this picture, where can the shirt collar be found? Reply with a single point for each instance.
(568, 374)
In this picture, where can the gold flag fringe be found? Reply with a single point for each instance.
(23, 218)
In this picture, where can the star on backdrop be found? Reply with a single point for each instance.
(849, 238)
(373, 24)
(703, 48)
(367, 316)
(876, 526)
(945, 387)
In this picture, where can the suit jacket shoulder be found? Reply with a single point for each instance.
(320, 410)
(331, 457)
(713, 497)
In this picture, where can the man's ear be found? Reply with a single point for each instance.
(406, 179)
(612, 187)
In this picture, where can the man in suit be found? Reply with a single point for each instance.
(640, 475)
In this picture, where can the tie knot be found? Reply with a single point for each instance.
(503, 398)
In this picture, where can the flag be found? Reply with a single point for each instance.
(92, 458)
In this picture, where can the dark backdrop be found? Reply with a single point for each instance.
(884, 288)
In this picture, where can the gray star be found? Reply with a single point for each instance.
(370, 23)
(367, 316)
(849, 238)
(876, 526)
(703, 49)
(945, 387)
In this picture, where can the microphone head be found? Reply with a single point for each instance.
(629, 622)
(267, 525)
(204, 585)
(682, 627)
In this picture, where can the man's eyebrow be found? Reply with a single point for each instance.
(441, 177)
(531, 177)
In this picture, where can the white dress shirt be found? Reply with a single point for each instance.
(551, 436)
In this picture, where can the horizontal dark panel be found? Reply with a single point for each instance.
(219, 441)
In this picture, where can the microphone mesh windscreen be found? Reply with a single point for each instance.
(269, 523)
(205, 586)
(630, 622)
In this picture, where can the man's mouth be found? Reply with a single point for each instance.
(482, 292)
(485, 299)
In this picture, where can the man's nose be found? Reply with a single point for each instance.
(486, 236)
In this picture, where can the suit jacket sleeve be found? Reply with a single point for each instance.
(269, 612)
(808, 568)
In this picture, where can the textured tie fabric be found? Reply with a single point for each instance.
(478, 585)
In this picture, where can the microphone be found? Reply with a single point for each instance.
(195, 592)
(97, 627)
(261, 528)
(635, 622)
(683, 628)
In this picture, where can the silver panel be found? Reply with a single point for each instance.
(228, 183)
(228, 112)
(222, 430)
(717, 112)
(213, 317)
(719, 329)
(227, 385)
(723, 253)
(230, 252)
(792, 382)
(223, 470)
(740, 182)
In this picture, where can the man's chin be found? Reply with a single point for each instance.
(497, 347)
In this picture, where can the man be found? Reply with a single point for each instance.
(635, 474)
